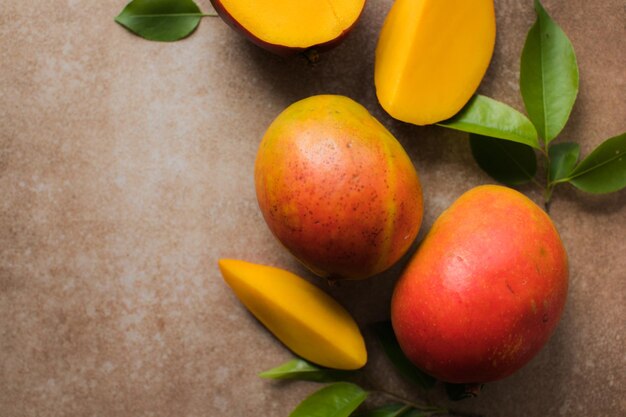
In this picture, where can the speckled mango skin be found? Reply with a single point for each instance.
(484, 291)
(337, 189)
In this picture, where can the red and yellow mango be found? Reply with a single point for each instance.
(484, 291)
(337, 189)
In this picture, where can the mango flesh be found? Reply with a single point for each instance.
(287, 26)
(337, 189)
(431, 56)
(303, 317)
(484, 291)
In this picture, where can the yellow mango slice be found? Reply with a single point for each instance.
(306, 319)
(431, 56)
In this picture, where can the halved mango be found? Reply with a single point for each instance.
(287, 26)
(431, 56)
(306, 319)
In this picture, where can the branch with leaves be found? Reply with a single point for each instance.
(505, 143)
(344, 394)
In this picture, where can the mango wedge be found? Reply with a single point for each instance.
(431, 56)
(306, 319)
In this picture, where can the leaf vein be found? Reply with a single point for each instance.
(520, 166)
(594, 167)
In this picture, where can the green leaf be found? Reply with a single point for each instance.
(160, 20)
(563, 158)
(548, 75)
(385, 334)
(299, 369)
(489, 117)
(510, 163)
(604, 170)
(337, 400)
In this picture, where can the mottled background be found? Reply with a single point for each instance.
(126, 172)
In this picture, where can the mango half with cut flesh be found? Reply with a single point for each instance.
(302, 316)
(289, 26)
(431, 56)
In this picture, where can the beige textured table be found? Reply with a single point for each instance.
(126, 172)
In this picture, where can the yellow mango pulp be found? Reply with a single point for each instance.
(293, 24)
(431, 56)
(306, 319)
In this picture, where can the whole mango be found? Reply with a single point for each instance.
(337, 189)
(484, 291)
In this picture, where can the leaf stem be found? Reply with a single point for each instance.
(418, 406)
(429, 410)
(547, 195)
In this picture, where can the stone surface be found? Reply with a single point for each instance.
(126, 172)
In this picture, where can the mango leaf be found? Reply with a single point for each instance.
(387, 338)
(489, 117)
(548, 75)
(508, 162)
(160, 20)
(604, 170)
(337, 400)
(299, 369)
(563, 158)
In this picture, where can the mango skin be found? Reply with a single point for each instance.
(484, 291)
(337, 189)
